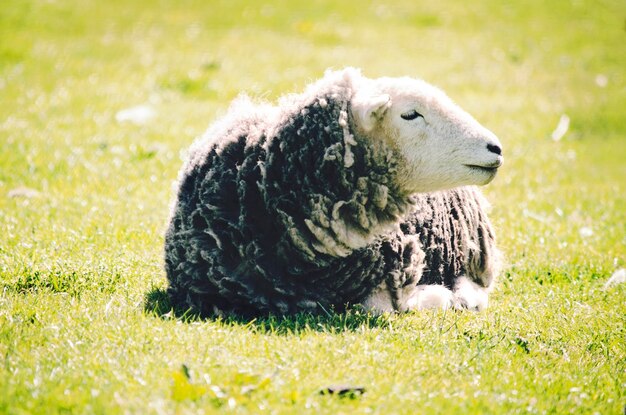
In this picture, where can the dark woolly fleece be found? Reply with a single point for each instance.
(259, 223)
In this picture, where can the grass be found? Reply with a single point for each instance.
(84, 325)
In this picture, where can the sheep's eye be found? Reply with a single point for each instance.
(411, 115)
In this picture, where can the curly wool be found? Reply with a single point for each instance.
(286, 209)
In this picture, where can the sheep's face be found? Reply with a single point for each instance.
(440, 145)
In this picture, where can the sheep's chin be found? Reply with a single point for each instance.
(483, 175)
(476, 177)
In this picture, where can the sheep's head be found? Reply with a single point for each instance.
(440, 145)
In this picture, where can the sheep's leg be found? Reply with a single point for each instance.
(380, 300)
(419, 297)
(431, 296)
(398, 291)
(466, 295)
(469, 295)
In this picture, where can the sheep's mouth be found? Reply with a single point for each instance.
(491, 169)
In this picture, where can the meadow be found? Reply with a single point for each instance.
(85, 189)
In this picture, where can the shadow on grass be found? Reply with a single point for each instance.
(157, 303)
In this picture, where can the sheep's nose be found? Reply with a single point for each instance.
(494, 148)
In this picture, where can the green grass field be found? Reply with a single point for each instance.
(84, 199)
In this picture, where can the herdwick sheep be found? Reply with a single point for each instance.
(349, 193)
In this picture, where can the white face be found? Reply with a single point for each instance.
(442, 145)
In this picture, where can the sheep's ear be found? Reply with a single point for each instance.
(367, 109)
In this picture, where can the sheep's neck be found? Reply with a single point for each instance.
(334, 191)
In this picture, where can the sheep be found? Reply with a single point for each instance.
(357, 191)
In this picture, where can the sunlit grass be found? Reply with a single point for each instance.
(84, 324)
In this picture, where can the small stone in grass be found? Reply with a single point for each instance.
(561, 128)
(141, 114)
(618, 277)
(344, 391)
(585, 232)
(24, 192)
